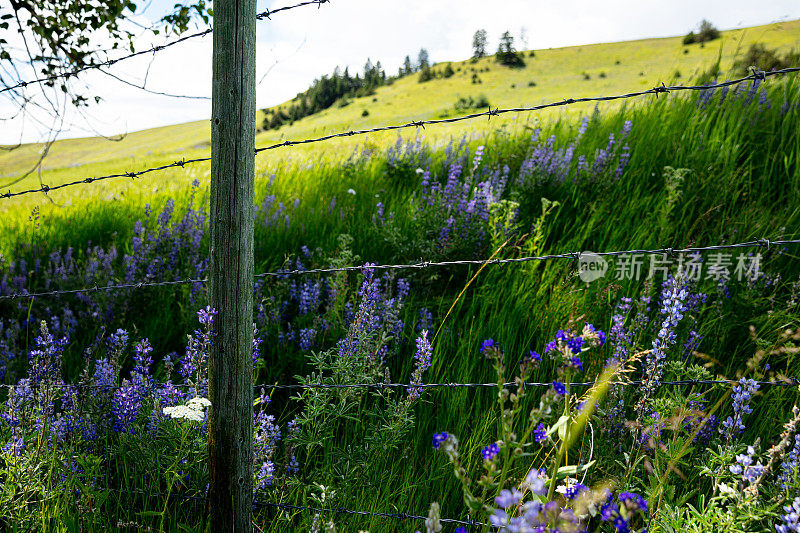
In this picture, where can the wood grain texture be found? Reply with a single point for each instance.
(230, 444)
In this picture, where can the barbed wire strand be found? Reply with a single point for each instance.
(152, 50)
(758, 75)
(671, 252)
(785, 382)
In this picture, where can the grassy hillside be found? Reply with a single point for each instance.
(557, 73)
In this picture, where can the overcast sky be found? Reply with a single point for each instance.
(299, 45)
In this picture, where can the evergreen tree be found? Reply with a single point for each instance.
(507, 54)
(422, 59)
(407, 67)
(479, 44)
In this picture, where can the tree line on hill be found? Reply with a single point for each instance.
(340, 87)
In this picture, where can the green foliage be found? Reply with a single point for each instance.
(65, 31)
(479, 44)
(465, 103)
(762, 58)
(426, 74)
(706, 32)
(506, 53)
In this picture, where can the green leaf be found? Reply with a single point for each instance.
(571, 470)
(560, 423)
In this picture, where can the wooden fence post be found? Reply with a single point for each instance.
(230, 372)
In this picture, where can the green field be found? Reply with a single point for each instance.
(688, 169)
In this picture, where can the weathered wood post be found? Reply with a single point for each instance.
(230, 373)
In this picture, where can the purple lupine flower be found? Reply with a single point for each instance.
(575, 490)
(508, 498)
(742, 393)
(125, 407)
(306, 340)
(791, 464)
(744, 466)
(257, 340)
(559, 388)
(309, 297)
(105, 376)
(117, 341)
(791, 520)
(425, 320)
(633, 502)
(672, 309)
(476, 161)
(540, 433)
(691, 345)
(422, 359)
(266, 434)
(575, 344)
(206, 316)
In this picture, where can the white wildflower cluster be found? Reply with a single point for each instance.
(193, 410)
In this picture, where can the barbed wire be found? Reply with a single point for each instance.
(99, 288)
(671, 252)
(566, 255)
(47, 188)
(152, 50)
(269, 12)
(784, 382)
(758, 75)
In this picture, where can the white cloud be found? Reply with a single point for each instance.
(308, 42)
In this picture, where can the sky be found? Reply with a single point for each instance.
(299, 45)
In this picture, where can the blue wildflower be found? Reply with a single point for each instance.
(439, 438)
(490, 452)
(488, 344)
(540, 433)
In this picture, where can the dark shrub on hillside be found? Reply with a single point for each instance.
(448, 71)
(426, 74)
(467, 103)
(763, 58)
(707, 32)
